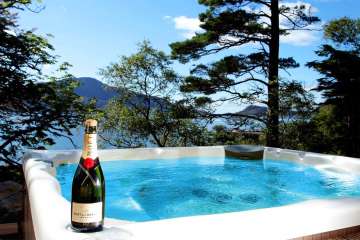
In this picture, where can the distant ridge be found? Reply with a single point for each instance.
(254, 110)
(92, 88)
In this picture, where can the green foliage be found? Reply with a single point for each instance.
(327, 133)
(12, 173)
(145, 114)
(297, 108)
(340, 84)
(296, 103)
(334, 126)
(320, 133)
(222, 135)
(34, 107)
(344, 31)
(245, 78)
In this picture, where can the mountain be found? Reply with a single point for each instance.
(92, 88)
(254, 110)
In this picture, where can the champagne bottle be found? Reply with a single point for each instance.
(88, 187)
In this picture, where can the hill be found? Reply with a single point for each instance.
(254, 110)
(92, 88)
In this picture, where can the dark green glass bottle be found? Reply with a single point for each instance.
(88, 187)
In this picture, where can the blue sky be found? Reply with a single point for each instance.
(92, 33)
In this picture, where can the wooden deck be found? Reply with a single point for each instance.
(352, 233)
(10, 231)
(352, 236)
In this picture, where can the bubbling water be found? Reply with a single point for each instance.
(160, 189)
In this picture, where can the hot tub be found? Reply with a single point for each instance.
(50, 209)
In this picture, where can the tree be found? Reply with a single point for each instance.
(145, 113)
(297, 107)
(34, 107)
(233, 23)
(340, 84)
(221, 135)
(325, 131)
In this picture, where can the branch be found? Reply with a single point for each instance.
(255, 80)
(292, 21)
(263, 14)
(264, 3)
(249, 98)
(214, 115)
(302, 28)
(65, 136)
(107, 140)
(9, 161)
(226, 44)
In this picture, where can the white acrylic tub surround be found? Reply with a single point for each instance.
(51, 211)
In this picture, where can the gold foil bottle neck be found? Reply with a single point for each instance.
(90, 126)
(90, 123)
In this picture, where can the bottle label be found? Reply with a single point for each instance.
(86, 212)
(90, 146)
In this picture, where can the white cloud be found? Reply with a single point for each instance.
(10, 32)
(48, 69)
(300, 37)
(308, 7)
(295, 37)
(187, 25)
(310, 86)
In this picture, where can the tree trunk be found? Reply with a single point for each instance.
(272, 138)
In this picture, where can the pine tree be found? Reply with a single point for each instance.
(340, 84)
(230, 24)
